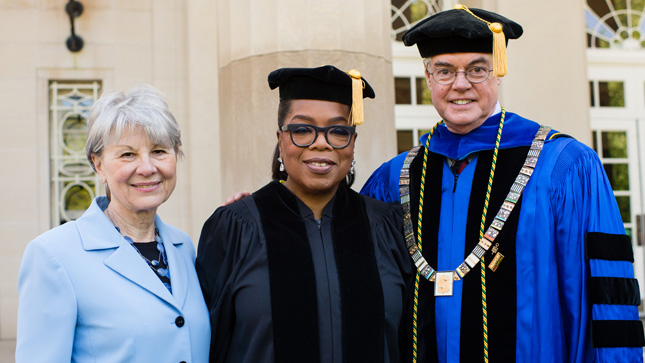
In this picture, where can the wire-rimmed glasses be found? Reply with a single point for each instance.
(476, 74)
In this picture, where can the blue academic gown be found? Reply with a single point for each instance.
(567, 196)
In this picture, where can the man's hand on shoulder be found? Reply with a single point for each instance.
(235, 197)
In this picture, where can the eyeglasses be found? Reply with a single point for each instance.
(303, 135)
(474, 74)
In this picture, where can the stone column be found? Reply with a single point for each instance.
(547, 71)
(258, 37)
(547, 78)
(202, 131)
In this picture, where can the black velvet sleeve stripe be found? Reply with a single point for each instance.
(617, 333)
(614, 290)
(606, 246)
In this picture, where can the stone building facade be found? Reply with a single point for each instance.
(211, 59)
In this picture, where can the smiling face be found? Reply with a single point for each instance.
(139, 174)
(463, 105)
(315, 170)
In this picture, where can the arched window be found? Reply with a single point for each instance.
(406, 13)
(413, 109)
(616, 24)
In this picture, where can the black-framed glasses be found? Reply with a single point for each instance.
(303, 135)
(476, 74)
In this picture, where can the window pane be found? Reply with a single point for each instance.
(625, 209)
(640, 229)
(601, 43)
(404, 141)
(418, 11)
(611, 94)
(399, 25)
(405, 13)
(424, 131)
(78, 198)
(618, 175)
(630, 233)
(423, 92)
(594, 142)
(73, 181)
(614, 144)
(74, 130)
(592, 102)
(402, 91)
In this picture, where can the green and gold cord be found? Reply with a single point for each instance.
(481, 233)
(420, 220)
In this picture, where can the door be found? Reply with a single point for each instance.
(617, 114)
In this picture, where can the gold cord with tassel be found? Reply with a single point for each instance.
(500, 64)
(356, 112)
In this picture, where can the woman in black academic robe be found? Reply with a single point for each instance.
(307, 270)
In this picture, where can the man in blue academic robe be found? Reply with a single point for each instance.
(514, 228)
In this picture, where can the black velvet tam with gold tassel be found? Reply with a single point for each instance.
(464, 30)
(326, 83)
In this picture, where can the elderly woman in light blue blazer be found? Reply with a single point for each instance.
(118, 284)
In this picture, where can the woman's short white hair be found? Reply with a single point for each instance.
(143, 107)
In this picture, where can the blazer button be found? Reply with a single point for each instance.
(179, 321)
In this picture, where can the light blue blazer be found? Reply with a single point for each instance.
(85, 295)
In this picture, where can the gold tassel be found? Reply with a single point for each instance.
(500, 66)
(356, 111)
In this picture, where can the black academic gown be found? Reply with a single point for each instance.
(332, 290)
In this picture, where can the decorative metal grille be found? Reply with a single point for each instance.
(73, 181)
(615, 24)
(406, 13)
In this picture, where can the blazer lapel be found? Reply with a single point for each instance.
(98, 233)
(176, 262)
(127, 262)
(178, 276)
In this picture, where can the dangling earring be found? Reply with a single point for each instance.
(351, 168)
(281, 164)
